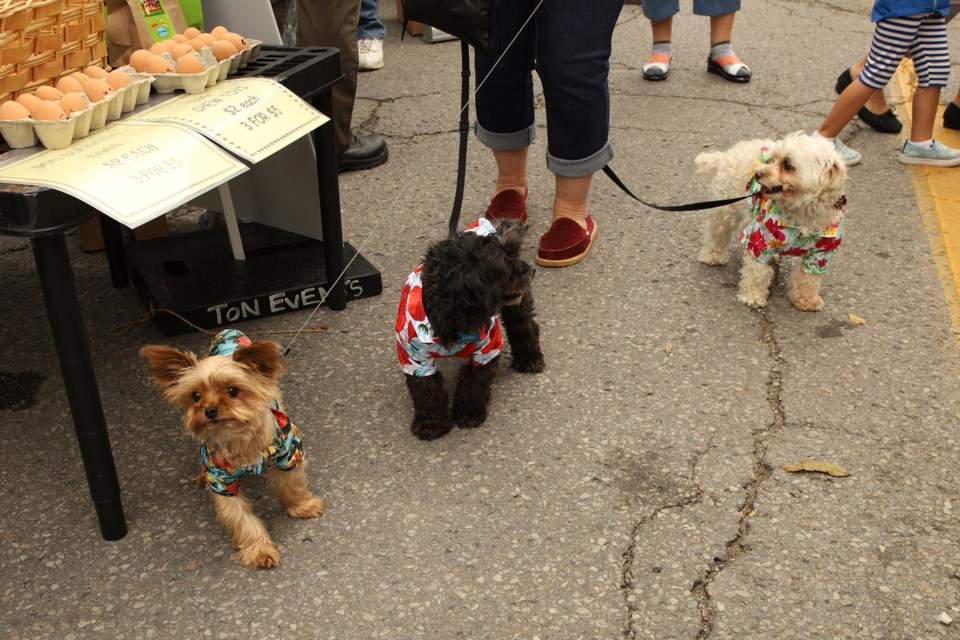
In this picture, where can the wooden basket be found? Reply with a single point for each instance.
(43, 40)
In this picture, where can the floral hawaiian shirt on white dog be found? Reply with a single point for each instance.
(768, 235)
(416, 346)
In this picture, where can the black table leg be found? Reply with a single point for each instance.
(79, 380)
(330, 221)
(112, 232)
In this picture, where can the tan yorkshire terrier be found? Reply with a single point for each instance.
(231, 405)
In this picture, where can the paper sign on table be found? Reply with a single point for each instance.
(251, 117)
(131, 171)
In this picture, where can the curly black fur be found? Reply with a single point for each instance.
(467, 279)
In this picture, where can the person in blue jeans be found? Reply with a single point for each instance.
(722, 60)
(370, 34)
(568, 43)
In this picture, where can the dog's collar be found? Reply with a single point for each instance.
(481, 227)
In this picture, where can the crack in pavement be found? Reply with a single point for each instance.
(629, 556)
(761, 471)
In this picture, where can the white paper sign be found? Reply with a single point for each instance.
(251, 117)
(131, 171)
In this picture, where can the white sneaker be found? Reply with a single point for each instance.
(371, 54)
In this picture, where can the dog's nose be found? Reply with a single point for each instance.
(210, 412)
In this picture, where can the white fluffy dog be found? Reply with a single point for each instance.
(796, 210)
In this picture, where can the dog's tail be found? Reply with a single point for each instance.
(708, 163)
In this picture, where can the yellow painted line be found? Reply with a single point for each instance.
(938, 194)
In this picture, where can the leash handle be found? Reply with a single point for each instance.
(693, 206)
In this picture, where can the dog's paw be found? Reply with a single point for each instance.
(713, 257)
(430, 428)
(310, 508)
(469, 419)
(260, 556)
(752, 300)
(804, 303)
(534, 364)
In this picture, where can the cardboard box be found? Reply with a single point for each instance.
(91, 239)
(413, 28)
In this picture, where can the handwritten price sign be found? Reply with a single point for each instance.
(251, 117)
(131, 171)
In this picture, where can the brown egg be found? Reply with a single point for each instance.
(223, 49)
(30, 101)
(190, 64)
(49, 110)
(237, 40)
(96, 72)
(118, 79)
(159, 64)
(48, 93)
(191, 32)
(161, 47)
(219, 31)
(138, 59)
(13, 110)
(80, 76)
(97, 90)
(197, 44)
(73, 102)
(179, 37)
(69, 85)
(206, 37)
(181, 49)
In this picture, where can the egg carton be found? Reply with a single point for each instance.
(58, 134)
(215, 71)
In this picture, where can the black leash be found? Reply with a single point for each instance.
(693, 206)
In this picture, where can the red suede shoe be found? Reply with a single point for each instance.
(566, 243)
(508, 204)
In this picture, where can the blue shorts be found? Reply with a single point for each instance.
(663, 9)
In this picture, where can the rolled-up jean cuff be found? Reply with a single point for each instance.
(583, 166)
(505, 141)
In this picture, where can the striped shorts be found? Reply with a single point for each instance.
(922, 37)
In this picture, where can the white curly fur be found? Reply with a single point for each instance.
(812, 176)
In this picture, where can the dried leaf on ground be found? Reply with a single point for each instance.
(816, 466)
(855, 319)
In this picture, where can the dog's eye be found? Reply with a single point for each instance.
(233, 392)
(196, 396)
(787, 165)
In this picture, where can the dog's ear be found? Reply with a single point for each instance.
(263, 357)
(511, 233)
(835, 174)
(167, 363)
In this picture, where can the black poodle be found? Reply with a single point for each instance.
(451, 307)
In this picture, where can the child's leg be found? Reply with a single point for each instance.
(848, 103)
(886, 51)
(931, 62)
(925, 103)
(877, 103)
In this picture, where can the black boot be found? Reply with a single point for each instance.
(366, 151)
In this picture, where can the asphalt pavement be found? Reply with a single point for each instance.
(632, 490)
